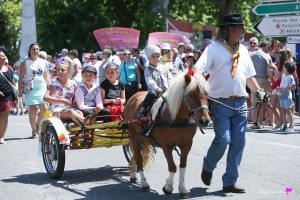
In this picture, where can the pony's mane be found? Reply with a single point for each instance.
(178, 89)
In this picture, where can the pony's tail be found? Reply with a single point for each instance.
(147, 151)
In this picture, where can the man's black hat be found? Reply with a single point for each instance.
(232, 19)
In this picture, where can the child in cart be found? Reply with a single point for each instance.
(88, 97)
(61, 94)
(113, 92)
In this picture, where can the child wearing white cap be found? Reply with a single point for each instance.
(157, 77)
(167, 56)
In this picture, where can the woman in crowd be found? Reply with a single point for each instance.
(33, 75)
(7, 97)
(130, 75)
(276, 46)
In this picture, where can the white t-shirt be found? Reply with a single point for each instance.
(287, 80)
(35, 71)
(77, 78)
(216, 61)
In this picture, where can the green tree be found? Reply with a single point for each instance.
(70, 24)
(238, 6)
(10, 26)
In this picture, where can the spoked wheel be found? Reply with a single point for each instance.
(127, 152)
(53, 154)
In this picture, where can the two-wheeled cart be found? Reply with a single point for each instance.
(57, 136)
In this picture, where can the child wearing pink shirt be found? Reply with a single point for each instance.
(88, 96)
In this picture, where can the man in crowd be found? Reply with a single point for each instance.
(253, 44)
(261, 60)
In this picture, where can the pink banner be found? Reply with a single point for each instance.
(117, 38)
(164, 37)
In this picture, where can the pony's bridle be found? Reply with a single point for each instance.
(192, 111)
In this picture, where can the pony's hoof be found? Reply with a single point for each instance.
(133, 180)
(184, 196)
(146, 189)
(166, 192)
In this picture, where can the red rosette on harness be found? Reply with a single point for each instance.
(188, 75)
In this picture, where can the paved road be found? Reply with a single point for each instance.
(271, 164)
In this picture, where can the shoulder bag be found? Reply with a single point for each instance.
(14, 88)
(27, 87)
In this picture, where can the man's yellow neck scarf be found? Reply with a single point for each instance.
(235, 56)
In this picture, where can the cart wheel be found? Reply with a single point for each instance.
(127, 152)
(53, 154)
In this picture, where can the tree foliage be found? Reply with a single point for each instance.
(10, 27)
(70, 24)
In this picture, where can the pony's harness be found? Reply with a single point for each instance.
(186, 121)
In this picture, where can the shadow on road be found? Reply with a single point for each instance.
(202, 192)
(111, 184)
(11, 139)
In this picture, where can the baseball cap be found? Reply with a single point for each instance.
(90, 68)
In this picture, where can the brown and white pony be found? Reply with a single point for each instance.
(186, 108)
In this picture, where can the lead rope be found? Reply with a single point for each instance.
(265, 100)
